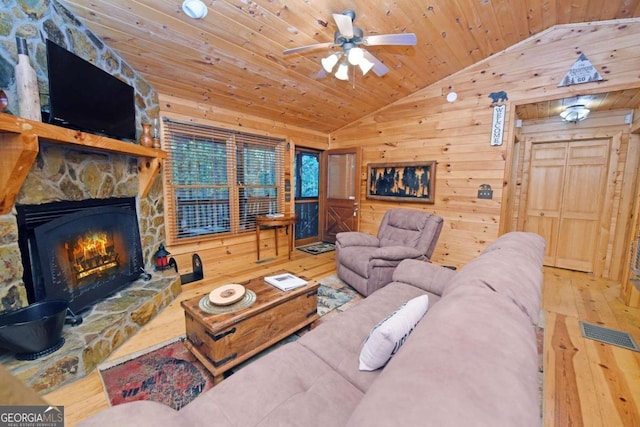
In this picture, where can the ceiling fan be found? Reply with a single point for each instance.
(351, 39)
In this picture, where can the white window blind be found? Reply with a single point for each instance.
(217, 180)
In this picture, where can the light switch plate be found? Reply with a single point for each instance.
(485, 194)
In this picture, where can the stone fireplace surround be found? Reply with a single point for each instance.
(62, 173)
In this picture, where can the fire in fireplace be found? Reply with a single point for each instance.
(91, 255)
(79, 251)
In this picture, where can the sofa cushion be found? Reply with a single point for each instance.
(290, 386)
(338, 340)
(135, 414)
(471, 361)
(510, 266)
(386, 338)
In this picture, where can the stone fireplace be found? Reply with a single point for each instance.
(66, 178)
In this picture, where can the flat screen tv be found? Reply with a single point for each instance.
(86, 98)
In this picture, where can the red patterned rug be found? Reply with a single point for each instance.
(169, 374)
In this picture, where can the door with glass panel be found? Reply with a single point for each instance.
(342, 202)
(307, 195)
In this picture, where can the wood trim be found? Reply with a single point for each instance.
(20, 145)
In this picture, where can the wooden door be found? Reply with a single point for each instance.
(564, 200)
(544, 198)
(342, 201)
(307, 190)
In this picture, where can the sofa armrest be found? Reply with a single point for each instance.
(395, 253)
(424, 275)
(356, 238)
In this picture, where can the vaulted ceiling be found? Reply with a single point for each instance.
(233, 57)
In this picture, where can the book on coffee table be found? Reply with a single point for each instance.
(285, 282)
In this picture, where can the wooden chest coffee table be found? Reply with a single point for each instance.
(222, 341)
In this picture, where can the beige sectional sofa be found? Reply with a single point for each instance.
(471, 361)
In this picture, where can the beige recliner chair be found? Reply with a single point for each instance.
(367, 262)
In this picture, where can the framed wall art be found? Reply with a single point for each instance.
(402, 182)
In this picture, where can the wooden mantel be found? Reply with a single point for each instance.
(19, 144)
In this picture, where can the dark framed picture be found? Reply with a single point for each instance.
(402, 181)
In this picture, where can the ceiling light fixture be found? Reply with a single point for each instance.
(352, 56)
(330, 61)
(575, 113)
(365, 65)
(355, 55)
(195, 9)
(343, 71)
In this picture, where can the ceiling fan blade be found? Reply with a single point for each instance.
(345, 25)
(378, 67)
(321, 74)
(408, 39)
(306, 48)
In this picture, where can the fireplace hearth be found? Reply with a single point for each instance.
(80, 251)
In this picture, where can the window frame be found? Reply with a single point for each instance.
(241, 213)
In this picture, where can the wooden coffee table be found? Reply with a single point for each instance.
(222, 341)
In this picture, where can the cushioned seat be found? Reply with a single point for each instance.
(367, 262)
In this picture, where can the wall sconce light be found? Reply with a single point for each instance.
(195, 9)
(575, 113)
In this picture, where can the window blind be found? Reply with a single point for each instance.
(218, 180)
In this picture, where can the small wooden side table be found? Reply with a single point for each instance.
(287, 220)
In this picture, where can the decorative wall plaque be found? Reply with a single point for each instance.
(497, 128)
(582, 71)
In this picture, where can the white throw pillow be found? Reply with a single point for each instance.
(386, 338)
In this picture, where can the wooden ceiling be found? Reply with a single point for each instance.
(617, 100)
(233, 58)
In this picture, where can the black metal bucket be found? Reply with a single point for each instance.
(34, 331)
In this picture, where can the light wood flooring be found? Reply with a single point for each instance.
(585, 382)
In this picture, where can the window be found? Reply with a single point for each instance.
(217, 181)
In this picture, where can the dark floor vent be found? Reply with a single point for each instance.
(608, 336)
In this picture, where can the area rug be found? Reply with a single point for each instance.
(318, 248)
(168, 373)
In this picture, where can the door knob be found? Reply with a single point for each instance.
(541, 213)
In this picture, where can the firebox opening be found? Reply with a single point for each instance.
(80, 251)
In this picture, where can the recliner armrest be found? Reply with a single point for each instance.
(396, 253)
(356, 238)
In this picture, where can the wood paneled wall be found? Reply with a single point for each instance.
(217, 254)
(424, 126)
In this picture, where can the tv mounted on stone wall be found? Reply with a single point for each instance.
(86, 98)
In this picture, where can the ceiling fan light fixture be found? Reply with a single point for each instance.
(365, 66)
(355, 55)
(575, 113)
(343, 71)
(329, 62)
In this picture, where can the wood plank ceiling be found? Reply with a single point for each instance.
(233, 58)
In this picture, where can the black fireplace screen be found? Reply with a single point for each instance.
(80, 251)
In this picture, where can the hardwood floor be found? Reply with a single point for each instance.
(585, 382)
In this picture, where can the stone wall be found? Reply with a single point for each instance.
(39, 20)
(61, 173)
